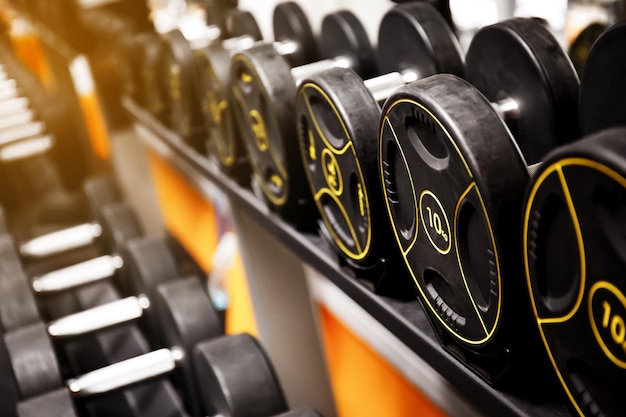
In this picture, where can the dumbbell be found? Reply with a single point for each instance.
(149, 52)
(98, 192)
(184, 112)
(264, 91)
(337, 116)
(572, 233)
(294, 40)
(42, 372)
(122, 227)
(17, 119)
(579, 49)
(22, 135)
(234, 375)
(453, 167)
(137, 268)
(90, 352)
(157, 398)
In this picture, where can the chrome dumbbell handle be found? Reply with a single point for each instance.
(82, 273)
(63, 240)
(98, 318)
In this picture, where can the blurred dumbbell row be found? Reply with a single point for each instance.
(111, 324)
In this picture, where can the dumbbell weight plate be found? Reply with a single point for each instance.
(223, 138)
(237, 378)
(602, 98)
(100, 191)
(264, 107)
(289, 23)
(452, 194)
(187, 318)
(147, 263)
(153, 91)
(520, 59)
(242, 23)
(574, 258)
(224, 141)
(54, 404)
(33, 360)
(183, 113)
(336, 160)
(337, 113)
(17, 305)
(579, 49)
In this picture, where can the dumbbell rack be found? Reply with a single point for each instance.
(404, 319)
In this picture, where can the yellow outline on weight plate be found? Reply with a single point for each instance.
(558, 166)
(277, 201)
(488, 332)
(361, 252)
(386, 120)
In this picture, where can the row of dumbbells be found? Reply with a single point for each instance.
(30, 123)
(451, 169)
(62, 359)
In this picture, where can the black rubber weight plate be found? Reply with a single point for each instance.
(575, 261)
(453, 199)
(337, 131)
(187, 317)
(579, 49)
(291, 24)
(100, 191)
(183, 115)
(35, 365)
(264, 96)
(56, 403)
(521, 60)
(240, 23)
(237, 378)
(10, 395)
(344, 36)
(119, 225)
(602, 97)
(415, 37)
(148, 262)
(17, 303)
(154, 84)
(223, 142)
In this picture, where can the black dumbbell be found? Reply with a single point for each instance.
(41, 373)
(573, 227)
(122, 227)
(98, 192)
(179, 75)
(579, 49)
(264, 91)
(151, 94)
(90, 352)
(337, 117)
(218, 363)
(453, 174)
(84, 354)
(294, 40)
(137, 266)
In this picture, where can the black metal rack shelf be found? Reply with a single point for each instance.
(405, 319)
